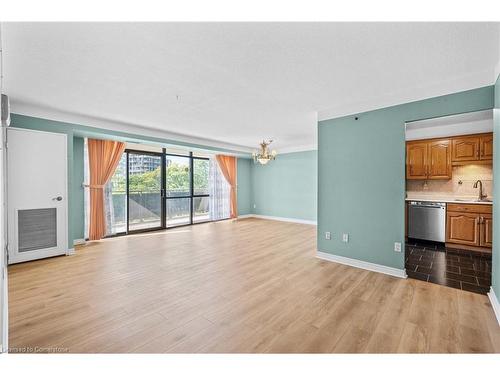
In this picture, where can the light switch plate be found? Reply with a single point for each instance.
(345, 237)
(328, 236)
(397, 247)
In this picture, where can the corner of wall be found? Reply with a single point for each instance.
(495, 268)
(495, 304)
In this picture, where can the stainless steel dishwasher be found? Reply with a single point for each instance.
(427, 220)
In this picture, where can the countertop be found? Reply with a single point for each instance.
(459, 200)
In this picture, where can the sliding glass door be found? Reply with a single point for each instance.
(187, 192)
(178, 192)
(144, 191)
(152, 190)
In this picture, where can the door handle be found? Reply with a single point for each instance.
(59, 198)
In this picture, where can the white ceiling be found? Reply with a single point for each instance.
(236, 83)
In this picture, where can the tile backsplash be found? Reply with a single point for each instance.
(467, 174)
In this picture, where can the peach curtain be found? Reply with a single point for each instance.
(227, 166)
(104, 157)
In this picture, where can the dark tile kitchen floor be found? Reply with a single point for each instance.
(460, 269)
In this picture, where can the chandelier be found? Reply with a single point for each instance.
(264, 155)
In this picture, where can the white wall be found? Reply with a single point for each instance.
(468, 123)
(497, 69)
(3, 266)
(3, 260)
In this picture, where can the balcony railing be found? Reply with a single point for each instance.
(145, 209)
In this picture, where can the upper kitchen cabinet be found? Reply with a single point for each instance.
(465, 148)
(439, 160)
(472, 148)
(486, 147)
(428, 160)
(416, 160)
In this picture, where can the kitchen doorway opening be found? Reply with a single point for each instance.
(449, 203)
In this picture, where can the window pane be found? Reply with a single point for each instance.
(178, 176)
(200, 176)
(144, 191)
(201, 208)
(118, 197)
(178, 211)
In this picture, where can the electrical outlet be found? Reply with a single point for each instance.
(345, 237)
(254, 205)
(397, 247)
(328, 235)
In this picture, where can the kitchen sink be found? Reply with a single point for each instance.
(472, 200)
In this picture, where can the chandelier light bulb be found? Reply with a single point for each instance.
(264, 155)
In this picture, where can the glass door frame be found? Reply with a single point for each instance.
(162, 190)
(191, 195)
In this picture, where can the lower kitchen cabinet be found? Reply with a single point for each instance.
(469, 226)
(462, 228)
(486, 231)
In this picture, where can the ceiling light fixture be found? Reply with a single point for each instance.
(264, 155)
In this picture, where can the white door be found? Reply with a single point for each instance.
(36, 194)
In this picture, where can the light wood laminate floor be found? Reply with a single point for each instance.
(234, 286)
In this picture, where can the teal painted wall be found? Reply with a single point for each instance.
(495, 264)
(361, 170)
(287, 186)
(78, 191)
(244, 186)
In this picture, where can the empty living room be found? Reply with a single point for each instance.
(219, 186)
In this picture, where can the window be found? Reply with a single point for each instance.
(200, 176)
(178, 176)
(116, 199)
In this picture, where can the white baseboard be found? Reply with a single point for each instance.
(362, 264)
(79, 241)
(71, 251)
(279, 218)
(245, 216)
(495, 304)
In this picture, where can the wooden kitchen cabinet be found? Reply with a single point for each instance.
(416, 160)
(465, 148)
(486, 230)
(469, 226)
(432, 159)
(439, 160)
(462, 228)
(486, 147)
(428, 160)
(472, 148)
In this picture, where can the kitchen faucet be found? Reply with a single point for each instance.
(481, 195)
